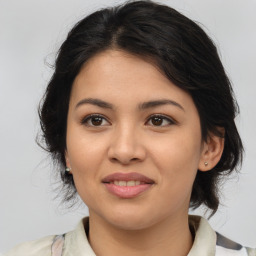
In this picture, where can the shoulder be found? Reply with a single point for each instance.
(251, 252)
(225, 246)
(71, 243)
(40, 247)
(209, 242)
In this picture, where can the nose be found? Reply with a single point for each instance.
(126, 146)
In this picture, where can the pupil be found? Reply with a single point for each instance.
(96, 121)
(157, 121)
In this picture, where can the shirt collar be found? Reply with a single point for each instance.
(77, 244)
(205, 238)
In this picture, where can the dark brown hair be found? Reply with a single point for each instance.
(180, 49)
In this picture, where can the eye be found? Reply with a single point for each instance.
(94, 120)
(160, 120)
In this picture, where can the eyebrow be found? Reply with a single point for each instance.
(156, 103)
(142, 106)
(96, 102)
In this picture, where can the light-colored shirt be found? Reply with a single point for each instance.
(75, 243)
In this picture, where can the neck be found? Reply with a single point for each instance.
(170, 237)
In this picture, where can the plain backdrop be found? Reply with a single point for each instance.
(30, 34)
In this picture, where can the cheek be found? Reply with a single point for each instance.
(83, 148)
(85, 157)
(177, 158)
(177, 165)
(181, 149)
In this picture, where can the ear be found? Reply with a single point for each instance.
(67, 161)
(212, 150)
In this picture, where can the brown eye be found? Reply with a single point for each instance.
(157, 121)
(94, 120)
(160, 120)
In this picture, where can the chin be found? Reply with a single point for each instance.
(130, 223)
(131, 219)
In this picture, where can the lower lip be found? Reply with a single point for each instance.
(127, 191)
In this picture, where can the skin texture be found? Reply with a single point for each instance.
(169, 150)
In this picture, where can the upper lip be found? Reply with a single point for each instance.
(118, 176)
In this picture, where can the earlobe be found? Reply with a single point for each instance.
(211, 152)
(68, 166)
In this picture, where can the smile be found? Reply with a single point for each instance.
(127, 185)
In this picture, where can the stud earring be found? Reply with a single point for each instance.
(68, 170)
(205, 163)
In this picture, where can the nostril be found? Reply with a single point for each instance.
(113, 159)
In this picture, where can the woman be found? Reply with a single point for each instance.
(139, 114)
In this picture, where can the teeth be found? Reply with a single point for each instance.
(128, 183)
(122, 183)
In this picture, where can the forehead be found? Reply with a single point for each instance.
(114, 65)
(118, 75)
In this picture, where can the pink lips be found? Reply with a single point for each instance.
(127, 191)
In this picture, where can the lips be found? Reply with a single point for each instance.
(127, 185)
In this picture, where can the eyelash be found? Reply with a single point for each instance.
(85, 120)
(170, 121)
(164, 118)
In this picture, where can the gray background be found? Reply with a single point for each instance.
(30, 33)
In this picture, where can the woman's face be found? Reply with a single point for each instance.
(133, 141)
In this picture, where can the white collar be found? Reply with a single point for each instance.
(77, 244)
